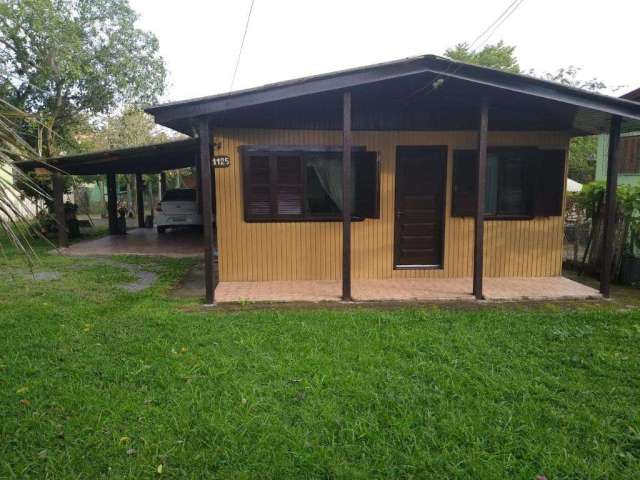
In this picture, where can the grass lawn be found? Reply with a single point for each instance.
(97, 382)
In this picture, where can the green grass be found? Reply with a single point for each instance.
(99, 383)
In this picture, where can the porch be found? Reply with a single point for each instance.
(423, 289)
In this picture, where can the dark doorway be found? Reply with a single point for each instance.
(420, 197)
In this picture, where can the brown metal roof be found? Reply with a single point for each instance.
(632, 95)
(518, 101)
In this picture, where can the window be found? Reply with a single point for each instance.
(180, 194)
(520, 182)
(630, 155)
(303, 185)
(508, 191)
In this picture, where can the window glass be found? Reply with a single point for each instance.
(324, 185)
(491, 186)
(181, 194)
(507, 186)
(513, 188)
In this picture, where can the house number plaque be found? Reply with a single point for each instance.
(221, 161)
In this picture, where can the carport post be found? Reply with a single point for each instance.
(163, 184)
(478, 243)
(112, 203)
(198, 182)
(140, 199)
(58, 206)
(204, 134)
(610, 204)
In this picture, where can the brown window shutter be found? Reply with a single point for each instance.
(465, 179)
(549, 192)
(367, 185)
(257, 187)
(289, 190)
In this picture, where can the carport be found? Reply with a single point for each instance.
(147, 159)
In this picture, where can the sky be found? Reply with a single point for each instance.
(200, 39)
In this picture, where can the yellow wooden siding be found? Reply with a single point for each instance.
(312, 250)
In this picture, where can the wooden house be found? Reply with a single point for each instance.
(422, 169)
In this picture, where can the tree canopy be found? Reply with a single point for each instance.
(131, 128)
(66, 59)
(498, 56)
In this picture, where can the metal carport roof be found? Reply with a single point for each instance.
(152, 158)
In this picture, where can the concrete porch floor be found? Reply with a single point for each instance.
(141, 241)
(447, 289)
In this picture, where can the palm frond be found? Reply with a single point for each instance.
(16, 220)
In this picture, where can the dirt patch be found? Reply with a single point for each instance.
(144, 279)
(192, 284)
(455, 305)
(43, 276)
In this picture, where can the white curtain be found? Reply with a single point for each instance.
(329, 172)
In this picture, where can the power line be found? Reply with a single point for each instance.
(497, 23)
(486, 33)
(244, 36)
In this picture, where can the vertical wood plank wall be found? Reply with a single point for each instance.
(312, 250)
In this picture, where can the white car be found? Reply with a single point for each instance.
(178, 208)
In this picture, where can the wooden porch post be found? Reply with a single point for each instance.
(140, 199)
(204, 134)
(610, 205)
(482, 178)
(112, 203)
(346, 196)
(58, 206)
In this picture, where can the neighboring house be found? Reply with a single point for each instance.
(629, 172)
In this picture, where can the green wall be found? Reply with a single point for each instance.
(602, 157)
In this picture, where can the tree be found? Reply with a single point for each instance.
(582, 150)
(569, 76)
(64, 60)
(498, 56)
(131, 128)
(582, 158)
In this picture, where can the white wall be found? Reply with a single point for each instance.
(25, 206)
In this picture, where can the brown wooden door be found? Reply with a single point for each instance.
(420, 197)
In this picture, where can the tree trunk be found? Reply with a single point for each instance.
(619, 245)
(103, 209)
(57, 108)
(130, 200)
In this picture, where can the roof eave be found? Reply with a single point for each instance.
(336, 81)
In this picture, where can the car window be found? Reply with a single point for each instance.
(180, 195)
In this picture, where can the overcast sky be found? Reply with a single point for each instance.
(199, 39)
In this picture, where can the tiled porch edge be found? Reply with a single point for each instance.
(451, 289)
